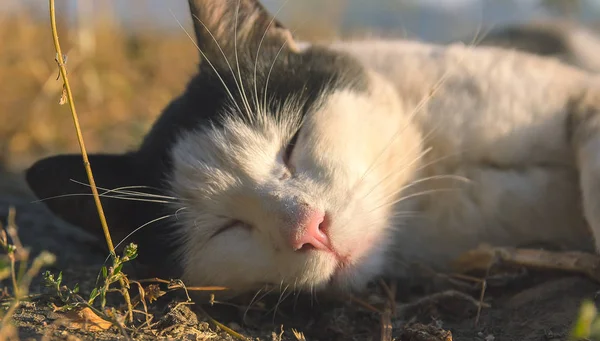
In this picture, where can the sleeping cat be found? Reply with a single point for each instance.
(323, 166)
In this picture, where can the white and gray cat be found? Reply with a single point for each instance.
(315, 166)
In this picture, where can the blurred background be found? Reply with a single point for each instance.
(128, 59)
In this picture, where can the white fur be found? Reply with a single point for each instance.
(498, 119)
(572, 43)
(586, 50)
(493, 118)
(236, 173)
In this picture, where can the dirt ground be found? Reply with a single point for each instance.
(525, 306)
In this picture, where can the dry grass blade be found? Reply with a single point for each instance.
(298, 335)
(223, 327)
(86, 163)
(483, 284)
(142, 299)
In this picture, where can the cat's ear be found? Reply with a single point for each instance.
(61, 183)
(230, 27)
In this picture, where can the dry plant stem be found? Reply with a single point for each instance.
(13, 274)
(176, 286)
(86, 162)
(570, 261)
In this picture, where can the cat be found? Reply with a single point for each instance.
(323, 166)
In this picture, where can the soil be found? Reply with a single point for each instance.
(526, 305)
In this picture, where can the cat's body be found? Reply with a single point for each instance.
(317, 166)
(567, 41)
(499, 119)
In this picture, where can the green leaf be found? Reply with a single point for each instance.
(59, 279)
(104, 272)
(118, 269)
(587, 314)
(93, 295)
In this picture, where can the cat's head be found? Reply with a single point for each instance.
(281, 163)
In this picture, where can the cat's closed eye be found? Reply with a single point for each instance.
(287, 155)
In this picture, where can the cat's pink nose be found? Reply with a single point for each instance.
(311, 232)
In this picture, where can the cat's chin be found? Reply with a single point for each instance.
(339, 274)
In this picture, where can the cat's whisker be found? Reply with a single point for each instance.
(123, 190)
(237, 62)
(250, 304)
(103, 196)
(410, 119)
(207, 59)
(295, 285)
(282, 296)
(413, 195)
(266, 86)
(420, 181)
(297, 293)
(265, 89)
(390, 174)
(258, 52)
(269, 74)
(179, 210)
(392, 218)
(142, 226)
(440, 159)
(430, 178)
(406, 213)
(136, 230)
(267, 292)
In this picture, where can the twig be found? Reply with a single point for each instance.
(363, 304)
(389, 310)
(390, 291)
(176, 284)
(86, 162)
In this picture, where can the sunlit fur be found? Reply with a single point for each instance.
(474, 141)
(237, 172)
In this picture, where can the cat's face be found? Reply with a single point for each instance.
(288, 163)
(291, 180)
(290, 197)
